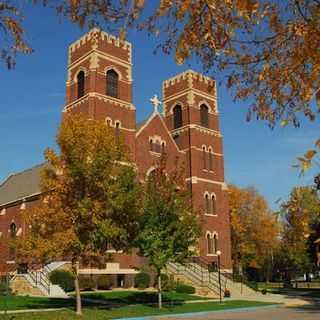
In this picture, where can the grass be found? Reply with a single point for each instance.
(310, 293)
(138, 310)
(112, 297)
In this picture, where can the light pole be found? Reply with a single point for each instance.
(219, 275)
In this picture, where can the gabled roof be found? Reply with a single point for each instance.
(144, 124)
(21, 185)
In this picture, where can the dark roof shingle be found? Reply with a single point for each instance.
(21, 185)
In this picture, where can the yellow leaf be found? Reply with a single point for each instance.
(310, 154)
(284, 123)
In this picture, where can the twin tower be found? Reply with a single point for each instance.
(99, 84)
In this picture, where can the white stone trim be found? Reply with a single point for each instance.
(199, 128)
(188, 74)
(100, 96)
(196, 179)
(152, 168)
(94, 32)
(20, 199)
(200, 149)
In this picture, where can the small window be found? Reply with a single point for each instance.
(112, 83)
(210, 160)
(204, 156)
(213, 204)
(215, 243)
(117, 132)
(204, 115)
(151, 145)
(13, 230)
(80, 84)
(177, 117)
(207, 203)
(209, 244)
(108, 122)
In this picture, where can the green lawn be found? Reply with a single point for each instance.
(103, 312)
(112, 297)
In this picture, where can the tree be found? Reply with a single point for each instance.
(169, 227)
(88, 198)
(301, 216)
(254, 230)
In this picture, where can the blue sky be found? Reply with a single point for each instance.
(32, 97)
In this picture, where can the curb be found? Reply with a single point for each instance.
(201, 313)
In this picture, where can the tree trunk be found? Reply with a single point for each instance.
(159, 291)
(75, 267)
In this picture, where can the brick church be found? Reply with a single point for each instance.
(99, 84)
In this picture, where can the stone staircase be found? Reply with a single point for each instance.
(197, 273)
(37, 282)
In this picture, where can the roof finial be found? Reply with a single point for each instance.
(156, 103)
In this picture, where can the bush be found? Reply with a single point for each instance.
(227, 293)
(87, 283)
(63, 278)
(185, 288)
(104, 282)
(3, 287)
(142, 280)
(167, 283)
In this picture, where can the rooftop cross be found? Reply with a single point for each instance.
(156, 103)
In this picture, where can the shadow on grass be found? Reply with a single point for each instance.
(129, 298)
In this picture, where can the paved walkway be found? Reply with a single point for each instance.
(279, 313)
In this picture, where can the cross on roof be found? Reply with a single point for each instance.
(155, 102)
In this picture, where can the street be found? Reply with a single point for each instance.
(306, 312)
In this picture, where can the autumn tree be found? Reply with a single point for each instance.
(301, 218)
(254, 230)
(88, 198)
(169, 228)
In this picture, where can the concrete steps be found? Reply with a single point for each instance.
(38, 282)
(200, 277)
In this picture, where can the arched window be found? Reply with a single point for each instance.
(152, 174)
(207, 203)
(210, 160)
(204, 155)
(213, 204)
(112, 84)
(80, 83)
(209, 244)
(151, 145)
(177, 116)
(215, 243)
(13, 230)
(204, 115)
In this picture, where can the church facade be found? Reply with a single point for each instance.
(99, 85)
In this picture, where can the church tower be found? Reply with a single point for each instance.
(99, 82)
(191, 114)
